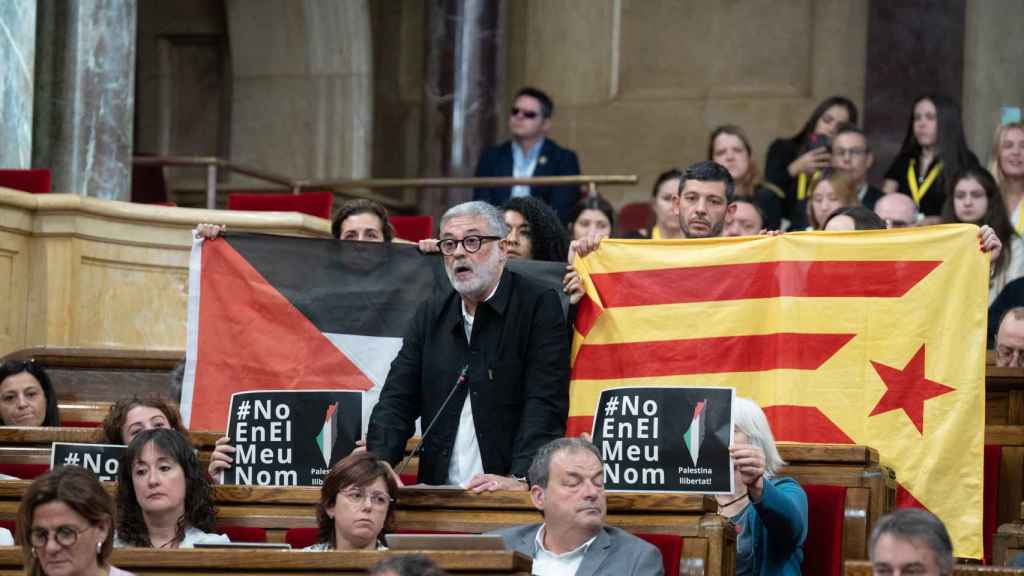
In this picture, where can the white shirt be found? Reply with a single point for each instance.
(192, 537)
(523, 165)
(547, 563)
(466, 461)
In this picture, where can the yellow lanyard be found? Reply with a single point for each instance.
(918, 192)
(655, 233)
(801, 184)
(1019, 226)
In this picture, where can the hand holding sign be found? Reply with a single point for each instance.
(748, 461)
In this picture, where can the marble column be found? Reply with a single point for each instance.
(84, 99)
(463, 70)
(17, 56)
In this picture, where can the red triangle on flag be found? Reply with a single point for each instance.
(252, 338)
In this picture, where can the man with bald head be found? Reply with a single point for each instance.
(1010, 339)
(898, 210)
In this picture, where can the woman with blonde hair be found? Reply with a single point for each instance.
(1007, 167)
(730, 147)
(827, 195)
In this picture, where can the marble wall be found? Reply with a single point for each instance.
(18, 55)
(85, 95)
(639, 84)
(302, 101)
(993, 68)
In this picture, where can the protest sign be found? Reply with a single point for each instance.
(291, 437)
(102, 460)
(665, 439)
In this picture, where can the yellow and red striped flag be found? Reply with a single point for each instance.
(874, 338)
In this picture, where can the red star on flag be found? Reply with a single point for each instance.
(907, 389)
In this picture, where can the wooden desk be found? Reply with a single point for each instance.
(870, 489)
(709, 545)
(1004, 425)
(31, 445)
(205, 562)
(863, 568)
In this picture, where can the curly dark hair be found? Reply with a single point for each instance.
(357, 469)
(114, 421)
(363, 206)
(199, 509)
(549, 237)
(14, 367)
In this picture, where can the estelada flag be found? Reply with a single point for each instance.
(873, 338)
(285, 313)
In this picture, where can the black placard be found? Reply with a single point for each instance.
(102, 460)
(665, 439)
(289, 437)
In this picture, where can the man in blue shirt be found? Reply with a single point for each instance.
(530, 154)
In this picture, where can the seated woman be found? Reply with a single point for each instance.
(770, 512)
(850, 218)
(663, 199)
(730, 147)
(356, 505)
(976, 199)
(359, 219)
(65, 525)
(163, 498)
(27, 397)
(828, 194)
(592, 215)
(129, 416)
(534, 231)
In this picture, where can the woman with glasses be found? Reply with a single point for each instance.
(65, 525)
(163, 498)
(27, 397)
(357, 503)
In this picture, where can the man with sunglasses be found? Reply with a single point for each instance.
(488, 359)
(530, 154)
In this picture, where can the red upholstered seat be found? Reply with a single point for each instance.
(300, 538)
(634, 216)
(823, 549)
(35, 180)
(313, 203)
(412, 228)
(243, 533)
(24, 471)
(671, 548)
(990, 496)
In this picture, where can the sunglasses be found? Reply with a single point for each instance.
(528, 114)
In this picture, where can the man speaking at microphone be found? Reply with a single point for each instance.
(510, 332)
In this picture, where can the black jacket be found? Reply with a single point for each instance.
(554, 160)
(518, 377)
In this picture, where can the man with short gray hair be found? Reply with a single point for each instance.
(910, 541)
(496, 343)
(567, 486)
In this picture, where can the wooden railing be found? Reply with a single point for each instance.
(353, 187)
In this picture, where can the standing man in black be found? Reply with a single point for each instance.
(509, 333)
(530, 154)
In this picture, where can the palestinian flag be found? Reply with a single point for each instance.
(873, 338)
(694, 435)
(328, 434)
(285, 313)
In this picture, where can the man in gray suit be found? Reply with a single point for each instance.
(567, 486)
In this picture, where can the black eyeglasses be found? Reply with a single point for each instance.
(528, 114)
(471, 244)
(65, 536)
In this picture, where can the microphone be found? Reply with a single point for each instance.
(458, 382)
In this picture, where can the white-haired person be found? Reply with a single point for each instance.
(770, 512)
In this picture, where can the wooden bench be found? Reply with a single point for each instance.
(863, 568)
(103, 374)
(205, 562)
(709, 540)
(870, 489)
